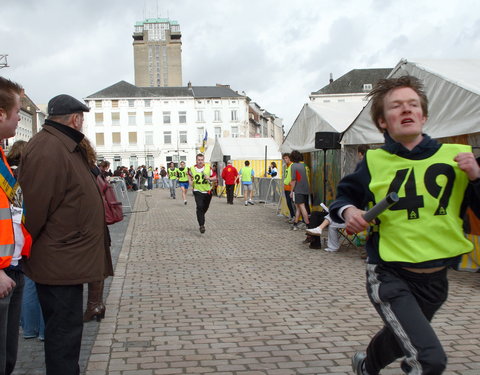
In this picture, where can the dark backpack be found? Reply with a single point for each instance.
(113, 208)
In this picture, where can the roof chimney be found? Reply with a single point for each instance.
(331, 77)
(189, 84)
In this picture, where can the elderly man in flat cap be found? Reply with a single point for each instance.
(65, 216)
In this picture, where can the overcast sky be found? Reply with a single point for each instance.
(277, 51)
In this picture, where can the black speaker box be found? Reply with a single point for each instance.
(327, 140)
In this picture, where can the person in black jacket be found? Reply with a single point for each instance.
(411, 244)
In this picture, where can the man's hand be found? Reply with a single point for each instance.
(6, 284)
(354, 220)
(467, 163)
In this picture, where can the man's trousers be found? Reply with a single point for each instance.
(10, 308)
(406, 301)
(230, 189)
(203, 202)
(62, 308)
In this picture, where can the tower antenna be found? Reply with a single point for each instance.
(3, 61)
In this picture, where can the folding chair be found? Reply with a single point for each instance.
(345, 237)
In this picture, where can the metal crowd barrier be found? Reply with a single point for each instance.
(120, 188)
(267, 190)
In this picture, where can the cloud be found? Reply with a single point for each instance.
(276, 51)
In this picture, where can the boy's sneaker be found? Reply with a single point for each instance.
(202, 229)
(246, 203)
(295, 226)
(251, 202)
(358, 363)
(314, 231)
(185, 202)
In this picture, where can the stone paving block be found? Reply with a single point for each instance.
(247, 297)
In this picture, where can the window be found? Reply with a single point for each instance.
(367, 86)
(134, 161)
(148, 118)
(132, 118)
(116, 138)
(217, 115)
(166, 117)
(167, 137)
(114, 103)
(150, 161)
(183, 136)
(132, 138)
(182, 117)
(234, 131)
(117, 161)
(98, 104)
(98, 118)
(200, 116)
(148, 103)
(115, 118)
(218, 132)
(100, 139)
(131, 102)
(149, 138)
(200, 135)
(234, 115)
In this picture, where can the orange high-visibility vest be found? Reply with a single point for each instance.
(7, 236)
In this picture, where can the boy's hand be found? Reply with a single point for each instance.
(466, 162)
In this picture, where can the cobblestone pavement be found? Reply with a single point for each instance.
(247, 297)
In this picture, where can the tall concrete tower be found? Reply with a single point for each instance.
(157, 50)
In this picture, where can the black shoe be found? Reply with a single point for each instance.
(202, 229)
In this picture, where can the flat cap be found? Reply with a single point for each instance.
(64, 105)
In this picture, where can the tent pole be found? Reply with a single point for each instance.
(265, 175)
(324, 176)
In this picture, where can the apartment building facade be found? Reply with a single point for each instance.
(131, 125)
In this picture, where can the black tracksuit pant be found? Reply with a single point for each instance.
(203, 202)
(406, 301)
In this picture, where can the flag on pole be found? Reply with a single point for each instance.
(204, 142)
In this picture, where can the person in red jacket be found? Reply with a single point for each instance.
(230, 176)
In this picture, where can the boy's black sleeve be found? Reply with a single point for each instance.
(352, 190)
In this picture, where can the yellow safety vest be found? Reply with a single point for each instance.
(200, 183)
(425, 223)
(246, 173)
(182, 174)
(172, 173)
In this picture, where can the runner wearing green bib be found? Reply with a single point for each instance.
(183, 180)
(201, 176)
(172, 179)
(411, 244)
(247, 175)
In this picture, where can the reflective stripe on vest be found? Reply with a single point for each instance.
(425, 224)
(7, 237)
(246, 173)
(200, 183)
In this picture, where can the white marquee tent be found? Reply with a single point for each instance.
(319, 117)
(453, 90)
(245, 149)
